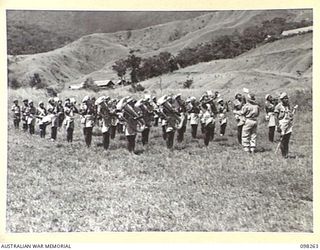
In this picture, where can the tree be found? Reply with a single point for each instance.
(89, 84)
(133, 63)
(120, 67)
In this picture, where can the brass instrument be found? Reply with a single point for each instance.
(167, 110)
(128, 111)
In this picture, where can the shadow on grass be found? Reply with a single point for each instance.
(220, 139)
(139, 151)
(261, 150)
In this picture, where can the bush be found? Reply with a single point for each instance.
(89, 84)
(14, 83)
(187, 84)
(52, 92)
(136, 88)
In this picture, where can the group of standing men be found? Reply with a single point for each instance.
(172, 112)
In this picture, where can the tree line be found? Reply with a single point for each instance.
(223, 47)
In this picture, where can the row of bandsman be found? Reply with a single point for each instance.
(171, 111)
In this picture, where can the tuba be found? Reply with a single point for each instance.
(168, 109)
(129, 111)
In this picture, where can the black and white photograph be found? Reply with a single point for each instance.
(159, 121)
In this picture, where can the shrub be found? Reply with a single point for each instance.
(89, 84)
(14, 83)
(187, 84)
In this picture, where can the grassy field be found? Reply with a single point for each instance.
(61, 187)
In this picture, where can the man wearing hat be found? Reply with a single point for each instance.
(194, 115)
(41, 114)
(251, 112)
(87, 119)
(155, 111)
(103, 114)
(60, 113)
(129, 116)
(181, 110)
(16, 114)
(270, 118)
(70, 110)
(53, 112)
(24, 115)
(31, 116)
(222, 109)
(238, 103)
(208, 122)
(116, 124)
(144, 107)
(284, 122)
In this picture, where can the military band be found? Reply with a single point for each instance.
(131, 116)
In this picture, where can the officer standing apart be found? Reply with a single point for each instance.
(251, 112)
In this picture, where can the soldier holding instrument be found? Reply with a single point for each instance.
(70, 110)
(16, 114)
(41, 114)
(194, 114)
(87, 119)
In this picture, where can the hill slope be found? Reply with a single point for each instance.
(93, 55)
(269, 68)
(35, 31)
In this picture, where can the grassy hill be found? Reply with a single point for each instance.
(35, 31)
(94, 54)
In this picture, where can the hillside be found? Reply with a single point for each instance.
(31, 31)
(269, 68)
(93, 55)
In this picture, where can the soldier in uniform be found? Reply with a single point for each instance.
(222, 109)
(129, 115)
(251, 112)
(270, 117)
(31, 116)
(16, 114)
(194, 115)
(170, 117)
(103, 114)
(87, 119)
(180, 107)
(53, 112)
(41, 114)
(238, 103)
(209, 121)
(208, 98)
(60, 113)
(146, 110)
(24, 115)
(284, 121)
(155, 111)
(70, 110)
(116, 124)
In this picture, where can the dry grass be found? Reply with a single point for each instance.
(61, 187)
